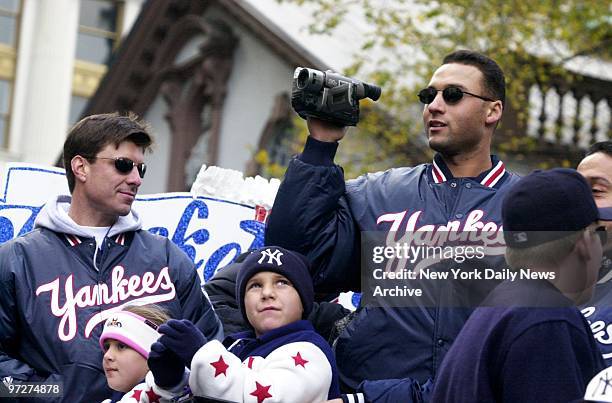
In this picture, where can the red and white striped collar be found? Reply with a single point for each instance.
(494, 175)
(440, 172)
(436, 172)
(74, 240)
(120, 239)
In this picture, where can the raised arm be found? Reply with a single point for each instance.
(311, 214)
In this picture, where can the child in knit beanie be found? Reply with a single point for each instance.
(282, 359)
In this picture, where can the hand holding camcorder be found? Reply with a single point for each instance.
(329, 96)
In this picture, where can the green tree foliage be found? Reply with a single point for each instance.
(409, 38)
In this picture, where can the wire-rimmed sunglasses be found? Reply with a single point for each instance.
(124, 165)
(451, 95)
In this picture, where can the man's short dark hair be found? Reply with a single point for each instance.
(600, 147)
(91, 134)
(494, 80)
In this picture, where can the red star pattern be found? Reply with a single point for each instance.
(299, 360)
(220, 366)
(153, 398)
(261, 392)
(137, 394)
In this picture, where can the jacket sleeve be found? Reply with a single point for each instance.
(193, 299)
(311, 215)
(221, 290)
(141, 393)
(9, 334)
(296, 372)
(149, 392)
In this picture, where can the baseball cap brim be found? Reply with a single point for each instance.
(605, 213)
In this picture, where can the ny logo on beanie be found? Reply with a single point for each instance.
(272, 255)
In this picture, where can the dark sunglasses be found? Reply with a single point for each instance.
(125, 165)
(603, 234)
(451, 95)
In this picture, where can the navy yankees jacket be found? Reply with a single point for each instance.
(320, 215)
(57, 289)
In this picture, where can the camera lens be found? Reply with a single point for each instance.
(310, 80)
(303, 79)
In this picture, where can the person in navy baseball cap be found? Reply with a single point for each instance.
(528, 342)
(552, 225)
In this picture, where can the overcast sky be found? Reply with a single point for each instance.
(335, 50)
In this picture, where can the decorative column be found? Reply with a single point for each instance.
(45, 60)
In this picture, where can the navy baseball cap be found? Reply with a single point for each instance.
(547, 205)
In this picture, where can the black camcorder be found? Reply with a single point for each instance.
(329, 96)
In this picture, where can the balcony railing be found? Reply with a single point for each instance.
(563, 117)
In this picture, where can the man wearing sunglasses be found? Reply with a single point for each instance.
(596, 167)
(87, 257)
(321, 216)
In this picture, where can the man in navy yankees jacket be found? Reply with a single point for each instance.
(596, 167)
(86, 258)
(386, 353)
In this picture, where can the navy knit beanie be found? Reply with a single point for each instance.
(290, 264)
